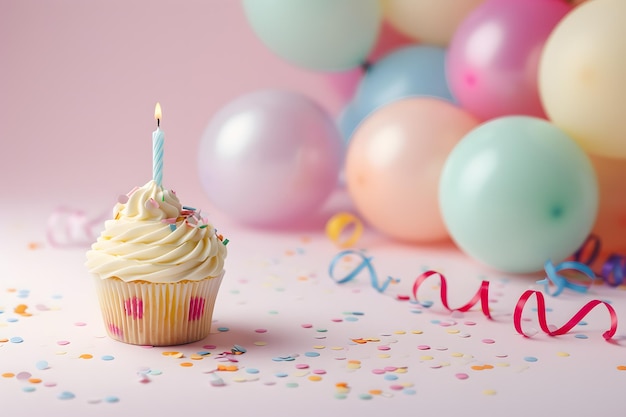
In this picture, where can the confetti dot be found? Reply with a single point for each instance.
(186, 364)
(530, 359)
(111, 399)
(562, 354)
(28, 389)
(16, 339)
(311, 354)
(80, 324)
(489, 392)
(261, 330)
(107, 358)
(11, 375)
(461, 376)
(409, 391)
(306, 325)
(366, 396)
(319, 371)
(23, 376)
(315, 378)
(281, 374)
(63, 342)
(65, 395)
(252, 370)
(34, 380)
(423, 347)
(223, 329)
(86, 356)
(302, 366)
(292, 385)
(209, 347)
(619, 368)
(41, 365)
(489, 341)
(581, 336)
(391, 377)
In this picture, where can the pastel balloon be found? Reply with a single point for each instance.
(270, 158)
(348, 121)
(394, 161)
(328, 35)
(581, 76)
(409, 71)
(610, 225)
(493, 58)
(518, 191)
(431, 22)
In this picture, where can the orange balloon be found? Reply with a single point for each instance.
(394, 162)
(610, 224)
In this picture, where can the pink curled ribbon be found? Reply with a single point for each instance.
(550, 330)
(482, 295)
(70, 228)
(613, 270)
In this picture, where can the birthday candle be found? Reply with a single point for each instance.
(157, 148)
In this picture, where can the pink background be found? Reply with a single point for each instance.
(79, 81)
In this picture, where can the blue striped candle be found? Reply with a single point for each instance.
(157, 148)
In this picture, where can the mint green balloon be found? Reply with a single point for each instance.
(329, 35)
(517, 191)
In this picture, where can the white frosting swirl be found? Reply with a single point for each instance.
(151, 238)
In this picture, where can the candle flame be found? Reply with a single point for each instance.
(157, 112)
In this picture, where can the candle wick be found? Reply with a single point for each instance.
(158, 122)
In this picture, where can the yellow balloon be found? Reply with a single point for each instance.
(429, 21)
(582, 76)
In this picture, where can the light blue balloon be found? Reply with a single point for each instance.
(348, 121)
(331, 35)
(516, 192)
(416, 70)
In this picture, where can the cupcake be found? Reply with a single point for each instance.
(157, 268)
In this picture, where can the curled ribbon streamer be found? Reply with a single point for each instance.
(366, 263)
(613, 269)
(577, 318)
(68, 228)
(482, 295)
(560, 282)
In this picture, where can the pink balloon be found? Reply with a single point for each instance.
(270, 158)
(493, 59)
(394, 162)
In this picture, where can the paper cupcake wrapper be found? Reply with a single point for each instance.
(144, 313)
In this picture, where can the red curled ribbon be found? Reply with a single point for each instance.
(541, 315)
(482, 295)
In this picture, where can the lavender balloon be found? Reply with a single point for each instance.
(270, 158)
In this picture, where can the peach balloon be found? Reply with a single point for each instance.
(610, 225)
(431, 22)
(394, 162)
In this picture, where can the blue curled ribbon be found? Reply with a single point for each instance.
(365, 263)
(560, 282)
